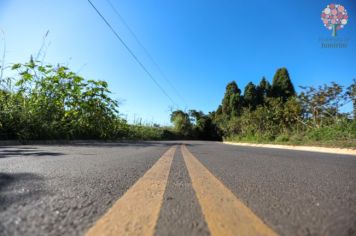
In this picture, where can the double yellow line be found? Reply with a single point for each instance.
(137, 211)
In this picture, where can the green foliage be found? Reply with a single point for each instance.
(251, 96)
(282, 86)
(276, 114)
(204, 128)
(181, 122)
(351, 96)
(282, 138)
(344, 129)
(232, 101)
(342, 134)
(263, 91)
(321, 105)
(52, 102)
(270, 119)
(194, 125)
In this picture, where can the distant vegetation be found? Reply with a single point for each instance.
(275, 113)
(52, 102)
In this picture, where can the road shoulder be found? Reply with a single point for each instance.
(343, 151)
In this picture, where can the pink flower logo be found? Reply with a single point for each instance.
(334, 17)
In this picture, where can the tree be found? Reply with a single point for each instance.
(203, 126)
(351, 95)
(282, 85)
(335, 98)
(218, 111)
(232, 101)
(263, 91)
(322, 103)
(181, 122)
(250, 96)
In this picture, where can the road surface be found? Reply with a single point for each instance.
(174, 188)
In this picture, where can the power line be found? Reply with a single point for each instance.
(145, 50)
(42, 50)
(132, 54)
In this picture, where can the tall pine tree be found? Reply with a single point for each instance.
(263, 91)
(282, 85)
(250, 96)
(232, 101)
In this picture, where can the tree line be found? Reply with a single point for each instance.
(52, 102)
(269, 112)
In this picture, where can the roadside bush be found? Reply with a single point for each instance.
(52, 102)
(296, 138)
(342, 130)
(275, 113)
(282, 138)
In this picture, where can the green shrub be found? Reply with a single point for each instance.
(52, 102)
(282, 138)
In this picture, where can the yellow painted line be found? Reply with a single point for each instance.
(137, 211)
(224, 213)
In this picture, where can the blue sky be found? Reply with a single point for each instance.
(201, 45)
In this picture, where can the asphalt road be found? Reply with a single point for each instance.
(67, 189)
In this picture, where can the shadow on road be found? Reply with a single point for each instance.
(19, 187)
(26, 151)
(131, 143)
(21, 150)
